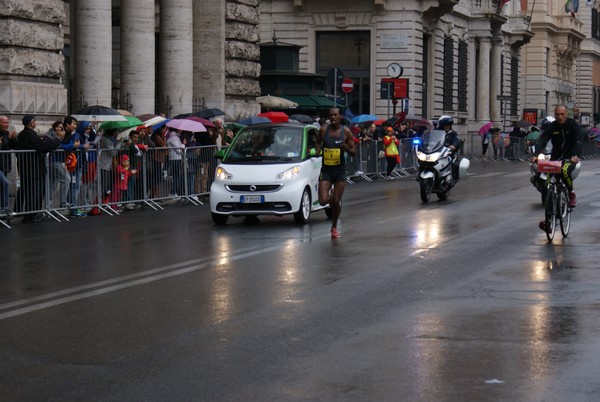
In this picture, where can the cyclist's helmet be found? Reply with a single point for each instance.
(546, 121)
(445, 120)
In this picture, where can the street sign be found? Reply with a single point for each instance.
(347, 85)
(334, 80)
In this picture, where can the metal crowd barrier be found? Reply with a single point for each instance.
(39, 183)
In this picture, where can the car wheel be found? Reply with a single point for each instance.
(219, 219)
(303, 214)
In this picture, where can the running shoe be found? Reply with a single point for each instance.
(335, 233)
(572, 199)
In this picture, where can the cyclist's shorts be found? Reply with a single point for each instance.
(333, 174)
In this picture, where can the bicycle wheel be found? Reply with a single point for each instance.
(550, 209)
(564, 211)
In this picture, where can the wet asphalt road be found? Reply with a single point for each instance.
(458, 300)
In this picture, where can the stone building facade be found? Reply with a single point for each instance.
(460, 57)
(146, 56)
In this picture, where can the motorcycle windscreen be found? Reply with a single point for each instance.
(432, 141)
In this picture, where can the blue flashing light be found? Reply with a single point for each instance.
(416, 141)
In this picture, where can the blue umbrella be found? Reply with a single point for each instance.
(363, 118)
(255, 120)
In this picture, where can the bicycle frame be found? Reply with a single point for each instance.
(557, 198)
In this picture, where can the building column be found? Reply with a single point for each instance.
(483, 80)
(472, 78)
(209, 53)
(137, 55)
(495, 84)
(176, 57)
(93, 51)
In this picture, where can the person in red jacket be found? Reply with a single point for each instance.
(123, 173)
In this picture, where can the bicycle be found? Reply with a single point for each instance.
(556, 204)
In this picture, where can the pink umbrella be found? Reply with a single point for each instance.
(186, 125)
(485, 128)
(205, 122)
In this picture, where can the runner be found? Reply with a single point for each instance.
(334, 140)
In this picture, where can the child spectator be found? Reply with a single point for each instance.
(119, 193)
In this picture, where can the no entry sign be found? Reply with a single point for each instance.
(347, 85)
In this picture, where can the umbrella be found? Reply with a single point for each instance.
(503, 137)
(363, 118)
(186, 125)
(393, 120)
(523, 124)
(124, 112)
(208, 113)
(485, 128)
(130, 121)
(532, 136)
(275, 102)
(302, 118)
(379, 122)
(248, 121)
(416, 120)
(205, 122)
(593, 132)
(99, 113)
(150, 119)
(276, 117)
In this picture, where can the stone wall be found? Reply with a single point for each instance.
(242, 57)
(31, 60)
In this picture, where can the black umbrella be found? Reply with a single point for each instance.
(393, 120)
(208, 113)
(302, 118)
(98, 113)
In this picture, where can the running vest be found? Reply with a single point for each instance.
(332, 153)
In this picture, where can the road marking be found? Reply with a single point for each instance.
(101, 287)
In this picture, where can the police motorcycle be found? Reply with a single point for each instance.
(538, 179)
(439, 168)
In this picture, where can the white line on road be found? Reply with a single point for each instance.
(127, 281)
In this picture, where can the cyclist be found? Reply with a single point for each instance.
(567, 142)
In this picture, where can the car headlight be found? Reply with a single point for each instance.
(222, 174)
(290, 173)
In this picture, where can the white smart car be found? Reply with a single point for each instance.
(268, 170)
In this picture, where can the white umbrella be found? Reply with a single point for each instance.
(275, 102)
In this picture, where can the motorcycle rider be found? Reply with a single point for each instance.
(451, 141)
(567, 142)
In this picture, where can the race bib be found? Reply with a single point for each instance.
(331, 156)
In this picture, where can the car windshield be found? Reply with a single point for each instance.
(267, 143)
(433, 141)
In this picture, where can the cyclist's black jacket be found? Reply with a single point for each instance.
(567, 139)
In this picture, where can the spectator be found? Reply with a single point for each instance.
(109, 147)
(121, 187)
(59, 175)
(32, 166)
(144, 171)
(79, 137)
(487, 138)
(88, 179)
(158, 160)
(7, 141)
(176, 146)
(390, 145)
(137, 152)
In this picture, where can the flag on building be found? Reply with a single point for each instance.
(571, 6)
